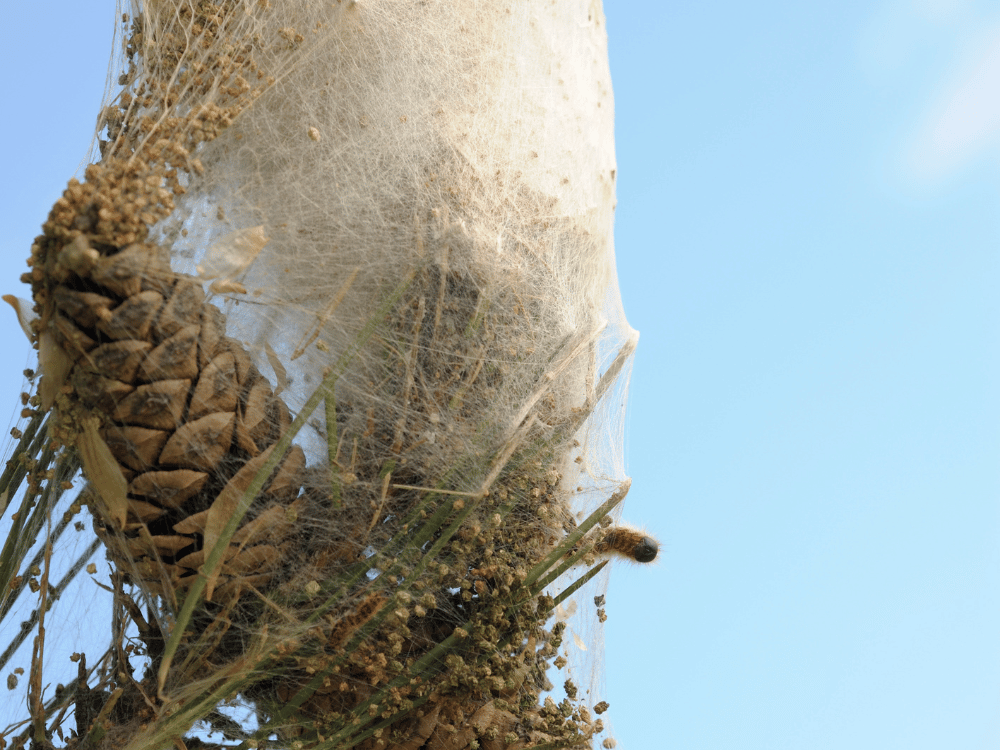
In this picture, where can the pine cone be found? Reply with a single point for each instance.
(187, 417)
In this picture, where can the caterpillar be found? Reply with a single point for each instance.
(628, 542)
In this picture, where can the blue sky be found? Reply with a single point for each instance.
(807, 240)
(807, 237)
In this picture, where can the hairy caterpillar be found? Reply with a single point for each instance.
(628, 542)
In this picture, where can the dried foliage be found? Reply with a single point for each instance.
(333, 331)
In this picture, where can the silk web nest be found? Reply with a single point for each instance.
(333, 326)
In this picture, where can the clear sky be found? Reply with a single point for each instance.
(807, 238)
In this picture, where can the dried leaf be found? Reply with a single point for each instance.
(287, 481)
(243, 439)
(564, 613)
(24, 312)
(55, 364)
(273, 523)
(103, 473)
(255, 413)
(280, 374)
(226, 286)
(228, 503)
(232, 253)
